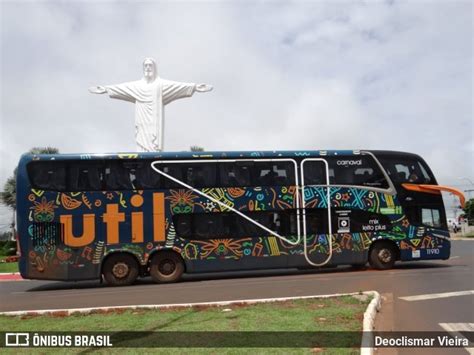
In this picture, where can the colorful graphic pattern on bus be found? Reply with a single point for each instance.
(141, 222)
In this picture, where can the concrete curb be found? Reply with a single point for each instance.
(9, 273)
(368, 322)
(367, 346)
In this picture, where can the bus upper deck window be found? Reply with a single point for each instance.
(273, 174)
(144, 177)
(85, 177)
(48, 175)
(314, 172)
(234, 174)
(358, 171)
(406, 169)
(117, 177)
(200, 175)
(174, 170)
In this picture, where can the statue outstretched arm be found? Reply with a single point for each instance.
(126, 91)
(203, 87)
(99, 89)
(174, 90)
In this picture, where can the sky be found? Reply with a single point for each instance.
(392, 75)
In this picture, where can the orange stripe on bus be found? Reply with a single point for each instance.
(137, 227)
(159, 217)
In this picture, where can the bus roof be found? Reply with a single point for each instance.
(213, 155)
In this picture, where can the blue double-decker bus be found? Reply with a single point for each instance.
(123, 216)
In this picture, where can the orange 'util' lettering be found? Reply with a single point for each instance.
(112, 217)
(88, 230)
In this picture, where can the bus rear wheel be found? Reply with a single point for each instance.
(383, 256)
(120, 270)
(166, 267)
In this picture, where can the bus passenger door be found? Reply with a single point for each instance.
(315, 216)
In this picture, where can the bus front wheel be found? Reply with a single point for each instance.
(383, 256)
(120, 270)
(166, 267)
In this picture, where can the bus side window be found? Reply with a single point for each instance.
(263, 174)
(431, 217)
(144, 177)
(85, 176)
(207, 225)
(183, 225)
(317, 221)
(405, 169)
(173, 170)
(314, 173)
(48, 175)
(286, 223)
(116, 176)
(285, 174)
(273, 174)
(200, 175)
(234, 174)
(357, 171)
(245, 228)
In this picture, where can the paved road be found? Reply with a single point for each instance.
(407, 279)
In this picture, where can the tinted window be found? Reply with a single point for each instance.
(406, 170)
(173, 170)
(314, 173)
(87, 176)
(195, 175)
(317, 221)
(430, 217)
(356, 170)
(273, 174)
(231, 225)
(117, 176)
(235, 174)
(199, 175)
(142, 175)
(47, 175)
(183, 225)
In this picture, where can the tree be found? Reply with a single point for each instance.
(8, 196)
(196, 148)
(469, 211)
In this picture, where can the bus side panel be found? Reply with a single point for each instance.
(64, 237)
(430, 244)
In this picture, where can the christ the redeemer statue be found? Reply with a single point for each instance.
(150, 95)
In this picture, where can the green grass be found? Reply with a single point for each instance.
(8, 267)
(336, 314)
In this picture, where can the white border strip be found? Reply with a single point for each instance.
(432, 296)
(370, 313)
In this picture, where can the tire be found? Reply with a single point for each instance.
(383, 256)
(166, 267)
(120, 270)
